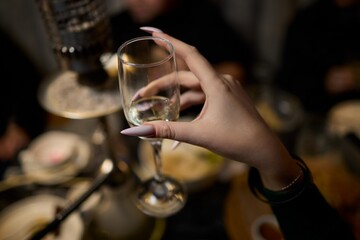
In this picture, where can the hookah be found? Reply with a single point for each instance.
(79, 32)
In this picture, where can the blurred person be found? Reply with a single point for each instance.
(22, 117)
(277, 177)
(321, 54)
(199, 22)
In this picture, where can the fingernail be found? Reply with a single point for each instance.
(144, 130)
(136, 95)
(151, 29)
(175, 145)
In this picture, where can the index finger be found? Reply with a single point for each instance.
(197, 63)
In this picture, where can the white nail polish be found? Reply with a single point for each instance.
(150, 29)
(144, 130)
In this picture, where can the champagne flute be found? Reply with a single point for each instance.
(150, 91)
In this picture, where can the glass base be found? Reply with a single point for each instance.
(161, 198)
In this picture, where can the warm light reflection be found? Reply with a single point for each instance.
(107, 166)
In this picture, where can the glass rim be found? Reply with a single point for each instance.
(153, 64)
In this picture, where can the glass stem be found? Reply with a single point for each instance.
(157, 144)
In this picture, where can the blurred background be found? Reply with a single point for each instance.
(303, 69)
(261, 22)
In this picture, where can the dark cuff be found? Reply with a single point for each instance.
(282, 196)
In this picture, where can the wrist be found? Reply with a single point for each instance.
(285, 193)
(283, 178)
(279, 170)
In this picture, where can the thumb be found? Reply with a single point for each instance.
(160, 129)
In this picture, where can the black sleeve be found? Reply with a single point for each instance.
(302, 212)
(310, 217)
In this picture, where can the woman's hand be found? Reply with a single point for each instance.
(228, 123)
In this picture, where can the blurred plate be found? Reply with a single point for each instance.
(197, 167)
(89, 206)
(266, 227)
(48, 171)
(344, 118)
(24, 217)
(63, 95)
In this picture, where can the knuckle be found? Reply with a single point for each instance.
(166, 131)
(191, 52)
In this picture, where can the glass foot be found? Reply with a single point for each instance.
(161, 198)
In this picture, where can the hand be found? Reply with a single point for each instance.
(228, 123)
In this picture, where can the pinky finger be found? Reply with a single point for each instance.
(191, 98)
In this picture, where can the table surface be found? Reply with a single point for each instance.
(227, 209)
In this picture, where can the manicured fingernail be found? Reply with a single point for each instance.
(150, 29)
(136, 95)
(144, 130)
(175, 145)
